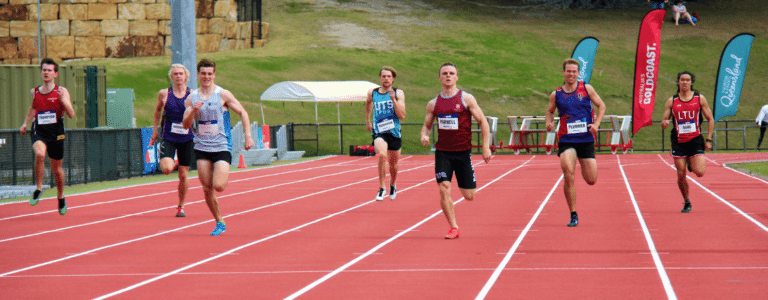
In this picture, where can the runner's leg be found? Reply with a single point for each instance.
(381, 154)
(682, 181)
(58, 176)
(698, 165)
(568, 164)
(41, 151)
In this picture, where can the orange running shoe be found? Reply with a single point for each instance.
(452, 234)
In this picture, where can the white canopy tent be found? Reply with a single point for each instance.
(317, 91)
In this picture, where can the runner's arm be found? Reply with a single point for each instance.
(30, 115)
(428, 120)
(485, 130)
(399, 103)
(66, 102)
(707, 115)
(550, 117)
(369, 110)
(231, 102)
(190, 112)
(598, 102)
(161, 96)
(667, 114)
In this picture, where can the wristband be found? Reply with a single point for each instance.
(709, 141)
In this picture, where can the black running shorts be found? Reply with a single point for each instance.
(55, 148)
(213, 157)
(184, 150)
(688, 149)
(583, 150)
(460, 162)
(393, 143)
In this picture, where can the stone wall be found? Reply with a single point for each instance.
(86, 29)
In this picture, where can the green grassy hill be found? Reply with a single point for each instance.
(510, 59)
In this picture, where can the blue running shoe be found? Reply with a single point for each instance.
(62, 206)
(220, 228)
(574, 221)
(35, 197)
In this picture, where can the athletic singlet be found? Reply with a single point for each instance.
(454, 123)
(49, 117)
(384, 118)
(213, 132)
(687, 117)
(576, 113)
(173, 113)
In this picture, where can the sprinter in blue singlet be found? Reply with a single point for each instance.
(388, 107)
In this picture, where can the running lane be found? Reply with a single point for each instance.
(713, 252)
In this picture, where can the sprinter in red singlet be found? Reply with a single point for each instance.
(688, 146)
(576, 135)
(49, 103)
(454, 110)
(176, 140)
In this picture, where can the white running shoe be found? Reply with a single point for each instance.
(392, 192)
(380, 195)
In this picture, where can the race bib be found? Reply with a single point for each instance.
(46, 117)
(177, 128)
(577, 127)
(386, 125)
(208, 127)
(686, 128)
(448, 122)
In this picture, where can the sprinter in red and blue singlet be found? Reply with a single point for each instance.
(576, 134)
(49, 104)
(176, 140)
(454, 110)
(687, 108)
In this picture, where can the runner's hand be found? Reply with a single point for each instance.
(593, 128)
(368, 125)
(153, 139)
(198, 105)
(550, 126)
(664, 124)
(248, 143)
(23, 129)
(487, 154)
(425, 140)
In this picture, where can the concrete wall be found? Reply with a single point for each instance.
(86, 29)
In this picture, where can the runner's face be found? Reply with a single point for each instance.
(206, 75)
(684, 82)
(448, 75)
(48, 73)
(571, 73)
(386, 78)
(178, 76)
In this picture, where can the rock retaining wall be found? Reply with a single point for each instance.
(86, 29)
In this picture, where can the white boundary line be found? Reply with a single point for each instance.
(163, 181)
(257, 241)
(160, 193)
(745, 215)
(656, 259)
(497, 272)
(379, 246)
(188, 226)
(166, 207)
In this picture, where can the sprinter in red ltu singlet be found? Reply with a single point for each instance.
(688, 146)
(49, 103)
(454, 110)
(576, 135)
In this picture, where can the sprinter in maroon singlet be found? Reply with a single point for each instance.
(688, 146)
(49, 103)
(175, 139)
(454, 110)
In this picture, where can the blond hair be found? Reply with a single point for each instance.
(179, 66)
(390, 69)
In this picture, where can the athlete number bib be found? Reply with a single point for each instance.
(208, 127)
(386, 125)
(448, 122)
(577, 127)
(46, 117)
(177, 128)
(688, 127)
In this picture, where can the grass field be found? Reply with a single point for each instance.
(510, 59)
(760, 168)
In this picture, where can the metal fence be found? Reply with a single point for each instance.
(89, 155)
(325, 139)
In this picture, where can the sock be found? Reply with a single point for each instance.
(62, 202)
(687, 200)
(573, 213)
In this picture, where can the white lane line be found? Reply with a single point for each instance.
(379, 246)
(163, 181)
(497, 272)
(392, 271)
(763, 227)
(656, 259)
(257, 241)
(166, 207)
(188, 226)
(156, 194)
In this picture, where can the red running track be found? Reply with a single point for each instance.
(311, 230)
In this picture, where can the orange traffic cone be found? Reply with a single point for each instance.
(242, 162)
